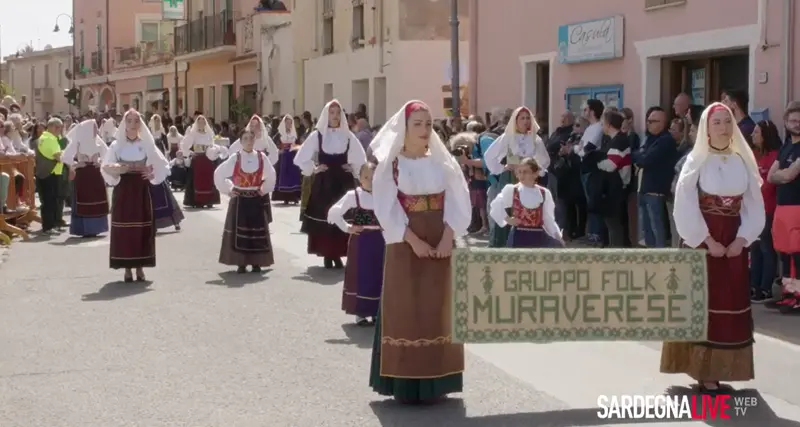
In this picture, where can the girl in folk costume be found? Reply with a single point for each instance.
(198, 145)
(422, 202)
(719, 207)
(167, 211)
(83, 156)
(529, 209)
(174, 139)
(247, 176)
(132, 164)
(363, 274)
(288, 188)
(157, 129)
(108, 130)
(519, 140)
(338, 154)
(263, 143)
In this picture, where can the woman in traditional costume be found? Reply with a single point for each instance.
(247, 176)
(363, 274)
(83, 155)
(132, 164)
(264, 144)
(529, 209)
(174, 139)
(422, 202)
(288, 188)
(108, 130)
(519, 140)
(199, 146)
(719, 208)
(307, 181)
(157, 129)
(338, 154)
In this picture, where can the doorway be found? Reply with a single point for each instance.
(379, 101)
(536, 88)
(704, 77)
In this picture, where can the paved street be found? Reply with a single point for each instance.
(204, 348)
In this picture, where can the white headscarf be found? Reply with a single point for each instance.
(262, 126)
(173, 134)
(291, 135)
(156, 126)
(389, 141)
(145, 137)
(85, 133)
(109, 127)
(322, 123)
(690, 173)
(511, 127)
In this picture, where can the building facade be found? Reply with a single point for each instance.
(380, 53)
(633, 53)
(40, 76)
(124, 55)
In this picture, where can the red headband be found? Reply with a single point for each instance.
(412, 107)
(716, 107)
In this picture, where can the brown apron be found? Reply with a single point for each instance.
(416, 305)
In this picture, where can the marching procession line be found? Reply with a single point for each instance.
(576, 373)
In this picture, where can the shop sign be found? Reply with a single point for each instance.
(594, 40)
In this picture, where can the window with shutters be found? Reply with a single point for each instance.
(357, 39)
(658, 4)
(327, 27)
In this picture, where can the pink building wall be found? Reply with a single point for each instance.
(510, 29)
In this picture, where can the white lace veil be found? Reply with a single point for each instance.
(322, 123)
(690, 173)
(156, 124)
(85, 131)
(389, 141)
(145, 137)
(292, 133)
(263, 127)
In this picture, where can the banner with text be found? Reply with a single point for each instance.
(546, 295)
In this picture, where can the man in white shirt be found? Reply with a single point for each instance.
(592, 139)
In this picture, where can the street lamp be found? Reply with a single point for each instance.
(71, 24)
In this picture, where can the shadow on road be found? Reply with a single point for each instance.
(360, 336)
(452, 412)
(118, 289)
(232, 279)
(73, 241)
(321, 275)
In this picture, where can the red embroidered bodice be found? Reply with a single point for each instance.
(720, 205)
(528, 218)
(417, 203)
(242, 179)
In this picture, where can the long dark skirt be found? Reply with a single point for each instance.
(324, 239)
(165, 208)
(498, 236)
(178, 175)
(289, 185)
(531, 238)
(245, 239)
(413, 356)
(89, 215)
(200, 189)
(363, 275)
(133, 231)
(728, 353)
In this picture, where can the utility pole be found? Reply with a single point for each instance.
(455, 64)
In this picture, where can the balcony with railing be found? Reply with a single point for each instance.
(206, 33)
(149, 53)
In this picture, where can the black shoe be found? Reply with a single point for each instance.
(256, 269)
(128, 277)
(759, 297)
(177, 227)
(328, 263)
(337, 263)
(241, 270)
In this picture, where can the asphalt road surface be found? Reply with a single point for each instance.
(201, 347)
